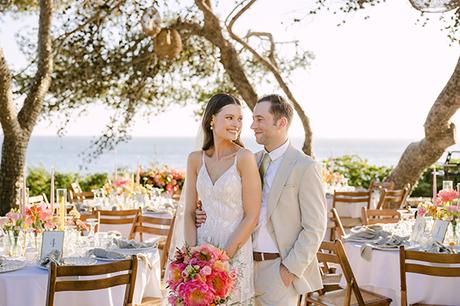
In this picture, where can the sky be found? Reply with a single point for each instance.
(371, 78)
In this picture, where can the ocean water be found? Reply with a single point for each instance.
(65, 154)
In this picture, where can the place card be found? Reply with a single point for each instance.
(439, 230)
(419, 229)
(52, 240)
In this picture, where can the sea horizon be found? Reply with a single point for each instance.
(66, 153)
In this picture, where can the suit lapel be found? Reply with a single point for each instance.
(284, 170)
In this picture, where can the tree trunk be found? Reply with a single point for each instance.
(17, 127)
(11, 170)
(440, 133)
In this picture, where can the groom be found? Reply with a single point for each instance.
(292, 219)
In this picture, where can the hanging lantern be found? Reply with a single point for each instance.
(435, 6)
(168, 44)
(151, 21)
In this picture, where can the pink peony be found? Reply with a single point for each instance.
(447, 195)
(206, 270)
(196, 293)
(421, 211)
(221, 282)
(175, 274)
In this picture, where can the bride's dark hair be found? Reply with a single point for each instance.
(215, 104)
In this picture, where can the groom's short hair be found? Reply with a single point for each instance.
(280, 107)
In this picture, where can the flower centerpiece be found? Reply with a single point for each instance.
(13, 228)
(39, 217)
(443, 207)
(167, 179)
(200, 276)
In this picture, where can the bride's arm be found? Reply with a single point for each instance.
(191, 198)
(250, 181)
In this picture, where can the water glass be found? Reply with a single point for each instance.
(447, 185)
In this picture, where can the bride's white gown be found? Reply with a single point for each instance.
(223, 203)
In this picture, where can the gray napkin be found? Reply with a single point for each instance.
(392, 241)
(438, 247)
(132, 244)
(101, 253)
(370, 232)
(54, 256)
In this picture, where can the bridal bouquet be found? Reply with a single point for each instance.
(200, 276)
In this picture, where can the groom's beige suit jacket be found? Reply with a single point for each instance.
(297, 216)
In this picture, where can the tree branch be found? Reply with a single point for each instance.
(33, 103)
(273, 68)
(8, 118)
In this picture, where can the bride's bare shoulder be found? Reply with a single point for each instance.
(245, 155)
(194, 157)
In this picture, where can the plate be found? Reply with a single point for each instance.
(79, 261)
(10, 265)
(361, 240)
(391, 248)
(108, 259)
(135, 251)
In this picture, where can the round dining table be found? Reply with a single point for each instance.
(28, 286)
(378, 271)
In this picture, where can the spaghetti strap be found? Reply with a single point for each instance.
(236, 156)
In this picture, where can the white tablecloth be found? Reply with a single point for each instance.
(381, 275)
(28, 287)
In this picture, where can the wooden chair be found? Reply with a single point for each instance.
(376, 185)
(127, 277)
(163, 227)
(77, 195)
(351, 198)
(118, 219)
(333, 252)
(337, 230)
(38, 199)
(92, 215)
(432, 264)
(374, 216)
(393, 199)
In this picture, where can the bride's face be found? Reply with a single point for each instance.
(227, 122)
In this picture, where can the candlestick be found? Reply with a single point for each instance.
(61, 199)
(435, 188)
(52, 191)
(138, 174)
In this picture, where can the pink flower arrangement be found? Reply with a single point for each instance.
(168, 180)
(443, 207)
(39, 217)
(200, 276)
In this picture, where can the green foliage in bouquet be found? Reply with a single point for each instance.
(357, 170)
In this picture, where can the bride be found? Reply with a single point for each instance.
(225, 178)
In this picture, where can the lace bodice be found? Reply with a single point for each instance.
(223, 203)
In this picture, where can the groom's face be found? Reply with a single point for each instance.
(263, 125)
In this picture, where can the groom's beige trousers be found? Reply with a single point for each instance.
(270, 289)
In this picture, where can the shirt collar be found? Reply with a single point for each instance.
(278, 152)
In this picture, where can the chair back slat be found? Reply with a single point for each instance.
(433, 271)
(127, 216)
(324, 257)
(351, 197)
(85, 285)
(375, 185)
(374, 216)
(125, 271)
(433, 257)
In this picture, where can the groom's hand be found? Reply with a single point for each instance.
(286, 276)
(200, 215)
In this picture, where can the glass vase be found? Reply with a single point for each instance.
(14, 243)
(453, 232)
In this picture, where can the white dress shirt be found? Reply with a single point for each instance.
(263, 242)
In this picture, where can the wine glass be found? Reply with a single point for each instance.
(92, 222)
